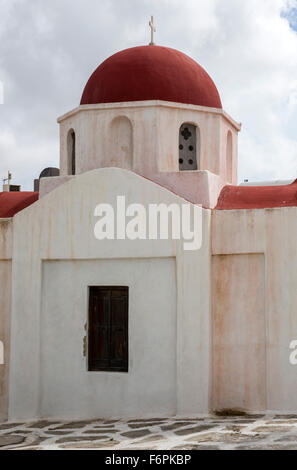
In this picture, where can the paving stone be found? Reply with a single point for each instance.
(221, 422)
(200, 428)
(143, 425)
(154, 420)
(64, 440)
(287, 439)
(102, 431)
(74, 425)
(254, 417)
(287, 447)
(282, 421)
(57, 433)
(104, 426)
(281, 447)
(180, 424)
(195, 447)
(11, 440)
(36, 441)
(193, 419)
(266, 447)
(207, 448)
(230, 413)
(244, 421)
(20, 431)
(3, 427)
(41, 424)
(272, 429)
(234, 428)
(291, 416)
(222, 437)
(153, 438)
(135, 434)
(193, 433)
(223, 418)
(250, 446)
(91, 445)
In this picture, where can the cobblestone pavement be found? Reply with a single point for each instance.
(200, 433)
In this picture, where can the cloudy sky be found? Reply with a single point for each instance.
(49, 48)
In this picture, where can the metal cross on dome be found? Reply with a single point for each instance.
(153, 30)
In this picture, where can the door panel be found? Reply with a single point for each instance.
(108, 329)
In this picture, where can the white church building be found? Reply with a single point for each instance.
(95, 328)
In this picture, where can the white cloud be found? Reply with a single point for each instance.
(51, 48)
(37, 154)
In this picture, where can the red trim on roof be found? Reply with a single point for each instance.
(257, 197)
(13, 202)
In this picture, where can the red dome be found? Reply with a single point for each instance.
(151, 73)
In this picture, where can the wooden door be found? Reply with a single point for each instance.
(108, 329)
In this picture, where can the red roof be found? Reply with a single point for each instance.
(13, 202)
(151, 73)
(257, 197)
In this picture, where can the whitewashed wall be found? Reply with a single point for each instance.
(144, 137)
(5, 306)
(67, 388)
(268, 315)
(59, 228)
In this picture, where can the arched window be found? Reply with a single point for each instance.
(189, 147)
(71, 152)
(229, 157)
(121, 143)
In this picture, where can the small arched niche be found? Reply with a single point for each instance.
(189, 147)
(229, 157)
(71, 151)
(121, 143)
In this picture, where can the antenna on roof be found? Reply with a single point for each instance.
(6, 182)
(7, 187)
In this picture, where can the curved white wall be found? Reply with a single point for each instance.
(144, 137)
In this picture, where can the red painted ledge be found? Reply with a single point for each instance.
(13, 202)
(257, 197)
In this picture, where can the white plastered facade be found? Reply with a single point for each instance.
(208, 329)
(56, 259)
